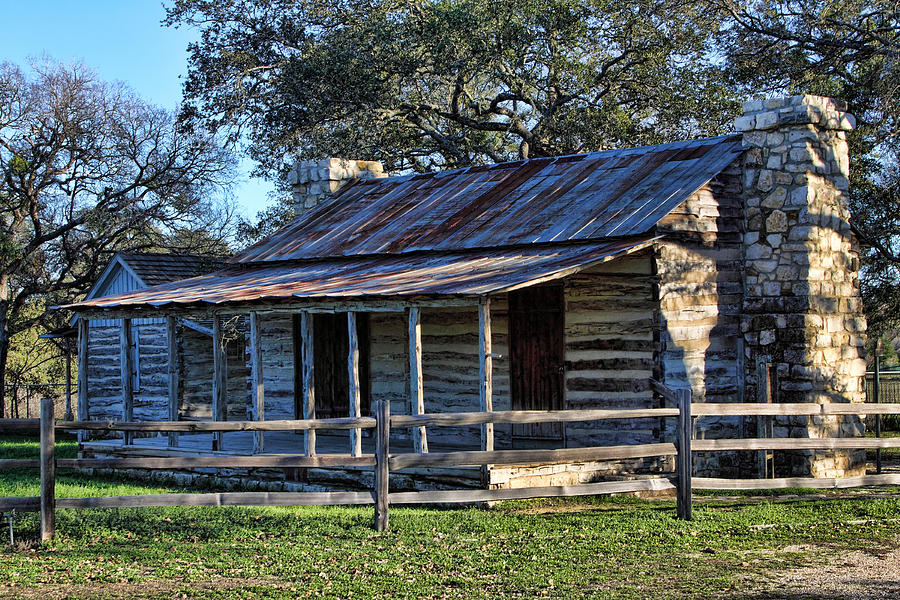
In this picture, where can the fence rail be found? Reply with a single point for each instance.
(384, 462)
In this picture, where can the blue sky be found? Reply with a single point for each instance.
(120, 40)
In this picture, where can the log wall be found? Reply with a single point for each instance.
(197, 370)
(610, 318)
(700, 268)
(104, 375)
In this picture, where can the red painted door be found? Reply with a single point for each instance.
(537, 356)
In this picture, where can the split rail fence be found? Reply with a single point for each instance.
(383, 462)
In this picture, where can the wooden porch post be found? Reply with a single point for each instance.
(416, 393)
(485, 371)
(256, 382)
(309, 381)
(126, 363)
(83, 324)
(220, 380)
(68, 415)
(174, 374)
(353, 379)
(48, 471)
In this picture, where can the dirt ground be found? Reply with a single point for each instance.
(873, 574)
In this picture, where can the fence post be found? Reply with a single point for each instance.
(877, 389)
(683, 462)
(382, 456)
(48, 471)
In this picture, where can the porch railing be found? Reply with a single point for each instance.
(383, 461)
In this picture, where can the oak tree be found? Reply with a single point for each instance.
(87, 169)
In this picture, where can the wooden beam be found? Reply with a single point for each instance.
(174, 375)
(554, 491)
(220, 379)
(382, 463)
(126, 364)
(801, 408)
(48, 471)
(20, 503)
(715, 483)
(83, 338)
(416, 389)
(530, 457)
(199, 426)
(257, 387)
(309, 380)
(795, 444)
(222, 499)
(68, 414)
(763, 396)
(528, 416)
(33, 425)
(354, 384)
(485, 372)
(19, 463)
(683, 460)
(312, 305)
(220, 462)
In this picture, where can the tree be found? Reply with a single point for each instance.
(846, 49)
(88, 169)
(423, 84)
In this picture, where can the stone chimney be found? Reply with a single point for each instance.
(313, 181)
(802, 310)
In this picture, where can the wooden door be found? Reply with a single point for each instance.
(537, 356)
(330, 348)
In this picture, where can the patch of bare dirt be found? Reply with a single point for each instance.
(871, 574)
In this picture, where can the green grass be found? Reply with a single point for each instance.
(617, 547)
(886, 453)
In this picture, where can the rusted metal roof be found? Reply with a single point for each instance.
(614, 193)
(457, 274)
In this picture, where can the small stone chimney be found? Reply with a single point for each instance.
(313, 181)
(802, 309)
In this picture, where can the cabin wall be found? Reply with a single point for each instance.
(105, 376)
(610, 320)
(276, 339)
(197, 377)
(700, 268)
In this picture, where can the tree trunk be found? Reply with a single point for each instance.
(4, 339)
(4, 352)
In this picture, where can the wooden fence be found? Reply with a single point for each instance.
(384, 462)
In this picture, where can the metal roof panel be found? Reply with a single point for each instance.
(618, 193)
(456, 274)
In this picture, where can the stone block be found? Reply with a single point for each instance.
(767, 120)
(772, 288)
(776, 222)
(751, 106)
(745, 123)
(765, 181)
(776, 198)
(758, 251)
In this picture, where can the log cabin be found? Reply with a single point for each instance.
(540, 284)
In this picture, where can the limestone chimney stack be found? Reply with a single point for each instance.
(802, 309)
(312, 182)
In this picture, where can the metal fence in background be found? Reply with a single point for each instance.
(890, 387)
